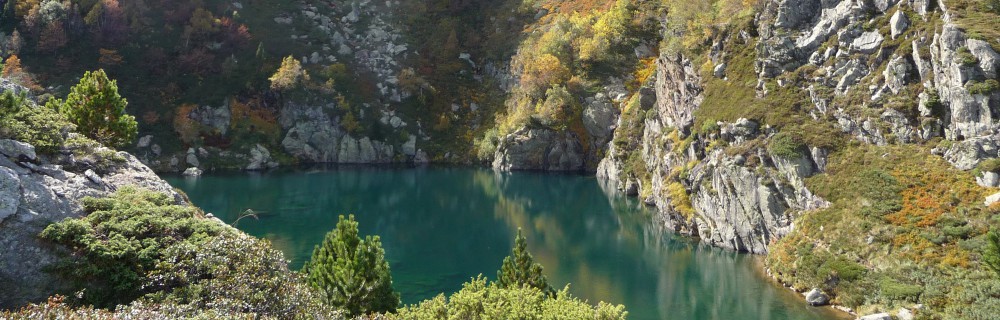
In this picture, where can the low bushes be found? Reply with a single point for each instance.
(138, 245)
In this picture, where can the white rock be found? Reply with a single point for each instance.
(868, 42)
(904, 314)
(144, 141)
(192, 172)
(877, 316)
(93, 177)
(990, 200)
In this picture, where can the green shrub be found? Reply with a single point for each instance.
(983, 87)
(351, 273)
(138, 244)
(934, 104)
(479, 300)
(896, 290)
(966, 58)
(122, 238)
(785, 146)
(989, 165)
(97, 109)
(957, 232)
(880, 193)
(22, 120)
(843, 268)
(709, 127)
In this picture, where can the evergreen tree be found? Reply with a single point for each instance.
(992, 253)
(520, 269)
(351, 273)
(97, 109)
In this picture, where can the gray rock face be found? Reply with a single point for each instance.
(260, 159)
(364, 150)
(539, 149)
(989, 60)
(17, 151)
(898, 24)
(678, 92)
(144, 141)
(815, 297)
(7, 85)
(34, 195)
(884, 5)
(192, 158)
(992, 199)
(968, 115)
(719, 71)
(745, 209)
(898, 74)
(794, 13)
(10, 192)
(216, 118)
(966, 155)
(599, 118)
(735, 205)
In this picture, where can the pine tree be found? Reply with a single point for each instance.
(97, 109)
(351, 273)
(520, 269)
(991, 256)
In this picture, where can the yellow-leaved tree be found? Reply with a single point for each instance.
(289, 75)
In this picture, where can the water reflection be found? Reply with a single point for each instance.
(442, 226)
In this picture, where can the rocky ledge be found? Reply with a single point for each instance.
(36, 190)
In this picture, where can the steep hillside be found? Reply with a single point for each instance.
(843, 139)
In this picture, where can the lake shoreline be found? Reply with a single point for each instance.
(761, 268)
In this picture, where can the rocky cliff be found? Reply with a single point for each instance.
(868, 61)
(36, 190)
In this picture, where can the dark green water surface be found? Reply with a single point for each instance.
(442, 226)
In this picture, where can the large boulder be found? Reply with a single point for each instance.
(816, 297)
(867, 42)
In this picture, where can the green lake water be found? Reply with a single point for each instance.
(442, 226)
